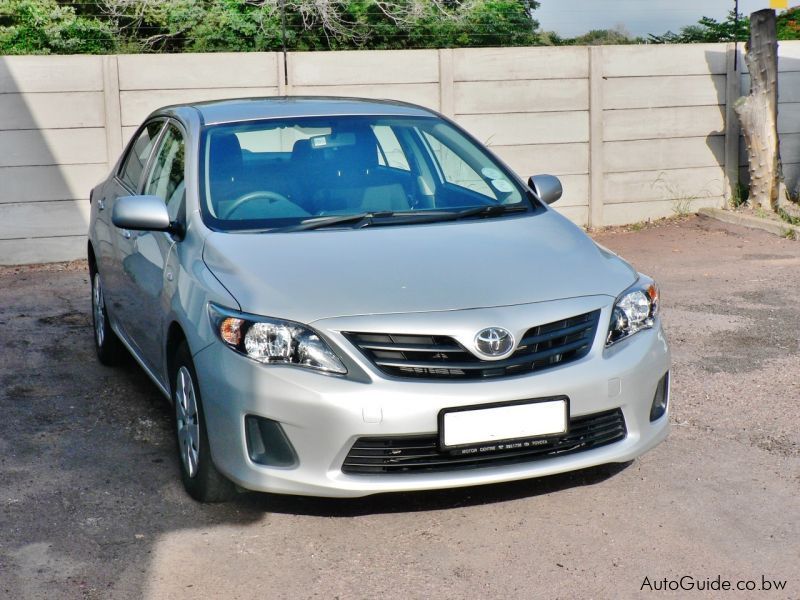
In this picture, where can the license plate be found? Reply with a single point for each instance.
(504, 422)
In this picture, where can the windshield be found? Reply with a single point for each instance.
(283, 173)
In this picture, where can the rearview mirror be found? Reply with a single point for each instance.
(141, 213)
(546, 187)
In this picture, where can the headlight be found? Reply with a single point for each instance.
(635, 309)
(274, 341)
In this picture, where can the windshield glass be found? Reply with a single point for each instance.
(281, 173)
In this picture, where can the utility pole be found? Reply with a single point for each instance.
(736, 36)
(283, 42)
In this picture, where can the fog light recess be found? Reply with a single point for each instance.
(267, 443)
(660, 399)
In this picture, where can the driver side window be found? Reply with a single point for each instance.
(135, 162)
(166, 179)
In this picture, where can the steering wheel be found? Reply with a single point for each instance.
(250, 196)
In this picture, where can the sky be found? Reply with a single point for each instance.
(570, 18)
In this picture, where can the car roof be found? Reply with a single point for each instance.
(252, 109)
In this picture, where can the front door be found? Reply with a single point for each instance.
(118, 243)
(147, 269)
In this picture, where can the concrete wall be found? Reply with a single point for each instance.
(663, 130)
(531, 106)
(52, 151)
(635, 132)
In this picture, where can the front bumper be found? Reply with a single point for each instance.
(323, 416)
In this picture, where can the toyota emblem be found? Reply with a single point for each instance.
(494, 341)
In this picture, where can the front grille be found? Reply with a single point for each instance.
(414, 454)
(442, 357)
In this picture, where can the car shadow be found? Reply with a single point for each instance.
(422, 501)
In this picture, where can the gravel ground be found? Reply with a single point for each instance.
(91, 504)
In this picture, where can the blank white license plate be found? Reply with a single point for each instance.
(518, 421)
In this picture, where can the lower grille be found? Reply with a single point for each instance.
(414, 454)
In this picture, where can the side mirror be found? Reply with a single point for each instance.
(546, 187)
(141, 213)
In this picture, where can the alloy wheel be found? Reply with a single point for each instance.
(187, 421)
(99, 311)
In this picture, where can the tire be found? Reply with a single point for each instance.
(110, 350)
(200, 477)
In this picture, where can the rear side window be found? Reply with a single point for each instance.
(136, 161)
(390, 152)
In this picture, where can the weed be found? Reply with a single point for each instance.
(682, 199)
(740, 195)
(784, 215)
(682, 207)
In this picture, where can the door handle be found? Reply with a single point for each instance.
(101, 205)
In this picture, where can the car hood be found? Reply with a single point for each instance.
(311, 275)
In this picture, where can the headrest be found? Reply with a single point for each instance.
(225, 153)
(301, 150)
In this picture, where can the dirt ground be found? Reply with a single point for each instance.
(91, 505)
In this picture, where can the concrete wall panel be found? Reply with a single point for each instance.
(194, 71)
(523, 96)
(55, 182)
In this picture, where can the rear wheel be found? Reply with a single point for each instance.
(106, 343)
(200, 477)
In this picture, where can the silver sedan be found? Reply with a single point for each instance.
(342, 297)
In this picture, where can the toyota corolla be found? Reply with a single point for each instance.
(343, 297)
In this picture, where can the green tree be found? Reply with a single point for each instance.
(711, 30)
(45, 27)
(599, 37)
(246, 25)
(708, 30)
(789, 24)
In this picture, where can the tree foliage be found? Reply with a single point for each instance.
(45, 26)
(789, 24)
(730, 30)
(104, 26)
(596, 37)
(708, 30)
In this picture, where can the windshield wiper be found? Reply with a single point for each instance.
(492, 210)
(367, 219)
(319, 222)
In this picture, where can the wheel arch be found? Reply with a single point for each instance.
(91, 258)
(175, 337)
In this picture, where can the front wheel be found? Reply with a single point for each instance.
(106, 343)
(200, 477)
